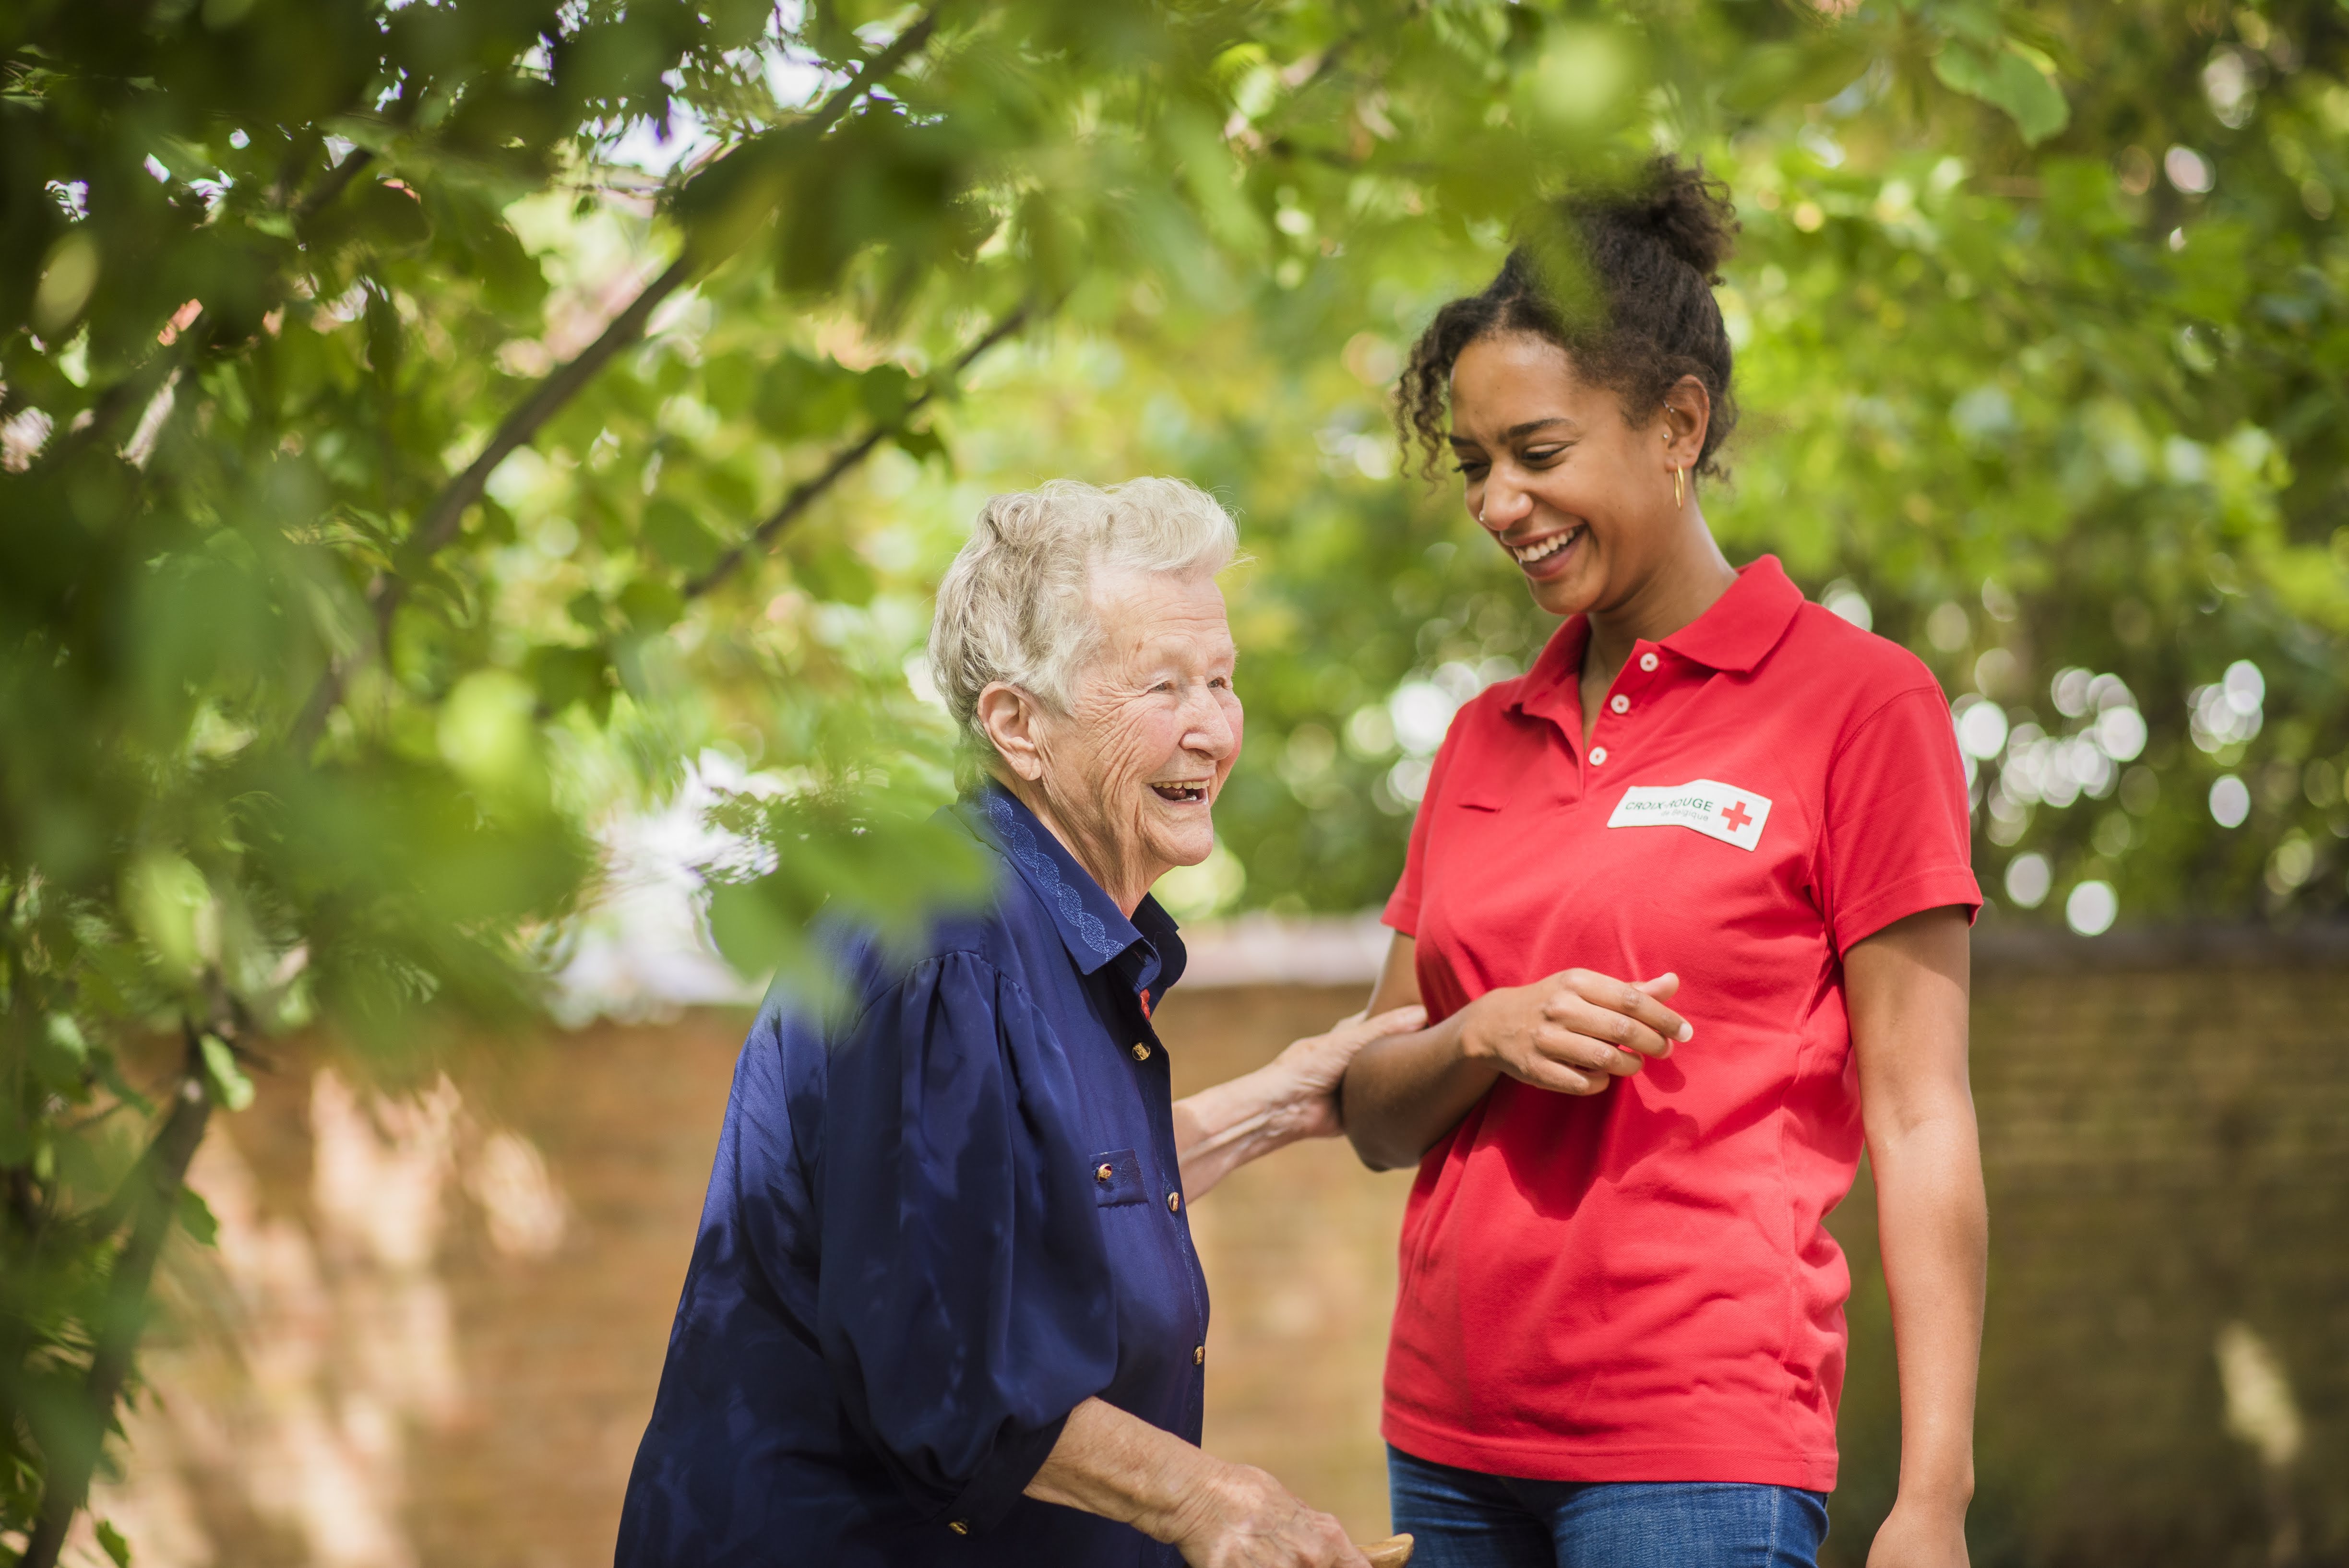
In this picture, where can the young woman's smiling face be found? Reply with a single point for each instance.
(1581, 498)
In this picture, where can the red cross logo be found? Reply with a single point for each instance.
(1737, 816)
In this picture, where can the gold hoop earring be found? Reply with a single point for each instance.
(1680, 487)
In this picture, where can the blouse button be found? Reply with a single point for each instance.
(1141, 1052)
(1198, 1356)
(1648, 662)
(958, 1527)
(1597, 755)
(1174, 1203)
(1103, 1173)
(1619, 703)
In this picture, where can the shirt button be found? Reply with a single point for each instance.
(1648, 662)
(1141, 1052)
(1174, 1203)
(1103, 1173)
(1597, 755)
(1198, 1356)
(1619, 703)
(958, 1527)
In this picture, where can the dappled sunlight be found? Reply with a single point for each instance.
(292, 1410)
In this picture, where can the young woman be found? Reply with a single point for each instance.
(1688, 904)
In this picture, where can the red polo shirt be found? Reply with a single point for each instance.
(1637, 1286)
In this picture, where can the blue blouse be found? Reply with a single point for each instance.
(938, 1221)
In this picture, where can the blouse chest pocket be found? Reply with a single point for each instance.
(1117, 1179)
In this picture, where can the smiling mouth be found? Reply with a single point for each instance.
(1543, 549)
(1187, 790)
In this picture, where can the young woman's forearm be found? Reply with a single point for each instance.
(1933, 1224)
(1404, 1092)
(1906, 987)
(1571, 1033)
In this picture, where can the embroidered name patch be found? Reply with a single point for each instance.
(1717, 810)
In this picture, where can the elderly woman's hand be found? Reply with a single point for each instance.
(1293, 1096)
(1216, 1514)
(1315, 1064)
(1245, 1519)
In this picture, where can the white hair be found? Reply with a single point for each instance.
(1016, 606)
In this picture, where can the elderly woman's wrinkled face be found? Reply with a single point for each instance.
(1131, 772)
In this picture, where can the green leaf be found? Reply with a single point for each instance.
(2006, 78)
(922, 443)
(564, 675)
(678, 536)
(1810, 72)
(230, 1087)
(800, 397)
(883, 390)
(649, 605)
(110, 1539)
(831, 568)
(197, 1219)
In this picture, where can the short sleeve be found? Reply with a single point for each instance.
(1898, 838)
(966, 1304)
(1401, 912)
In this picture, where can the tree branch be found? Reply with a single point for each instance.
(442, 519)
(135, 390)
(71, 1453)
(804, 494)
(337, 181)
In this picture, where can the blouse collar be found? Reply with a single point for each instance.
(1148, 954)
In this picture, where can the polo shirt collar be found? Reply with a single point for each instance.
(1147, 954)
(1734, 634)
(1740, 627)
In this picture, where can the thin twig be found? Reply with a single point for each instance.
(440, 523)
(70, 1452)
(149, 374)
(337, 181)
(136, 390)
(400, 114)
(804, 494)
(442, 519)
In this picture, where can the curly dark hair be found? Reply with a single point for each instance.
(1621, 279)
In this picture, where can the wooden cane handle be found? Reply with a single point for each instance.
(1392, 1552)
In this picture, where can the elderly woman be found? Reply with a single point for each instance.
(945, 1306)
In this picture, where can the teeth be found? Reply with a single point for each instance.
(1547, 548)
(1181, 791)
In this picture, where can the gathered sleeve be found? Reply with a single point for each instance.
(965, 1301)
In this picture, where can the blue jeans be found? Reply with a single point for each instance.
(1466, 1519)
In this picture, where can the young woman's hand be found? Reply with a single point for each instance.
(1575, 1032)
(1248, 1520)
(1920, 1538)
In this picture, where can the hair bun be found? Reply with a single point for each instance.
(1674, 203)
(1621, 278)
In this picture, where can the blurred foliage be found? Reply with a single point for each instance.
(2044, 412)
(428, 427)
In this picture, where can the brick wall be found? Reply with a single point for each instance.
(2166, 1134)
(432, 1332)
